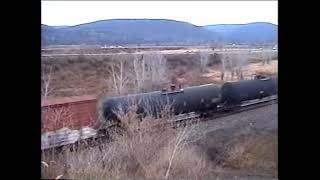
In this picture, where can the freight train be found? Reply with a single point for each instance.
(201, 100)
(197, 101)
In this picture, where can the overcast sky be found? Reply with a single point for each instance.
(56, 13)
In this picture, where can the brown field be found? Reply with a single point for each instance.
(72, 75)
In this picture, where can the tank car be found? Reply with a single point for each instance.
(198, 99)
(233, 93)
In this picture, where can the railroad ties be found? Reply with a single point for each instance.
(187, 116)
(259, 101)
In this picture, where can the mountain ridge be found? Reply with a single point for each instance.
(136, 31)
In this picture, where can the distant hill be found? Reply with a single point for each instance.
(121, 31)
(156, 31)
(246, 33)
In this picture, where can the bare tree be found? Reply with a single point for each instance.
(228, 64)
(204, 60)
(119, 74)
(238, 60)
(224, 59)
(144, 71)
(46, 89)
(150, 70)
(266, 57)
(139, 67)
(231, 67)
(157, 67)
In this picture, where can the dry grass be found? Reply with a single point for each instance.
(253, 153)
(143, 149)
(148, 149)
(263, 69)
(248, 71)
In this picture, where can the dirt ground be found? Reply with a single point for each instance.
(251, 136)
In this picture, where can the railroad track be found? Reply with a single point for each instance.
(246, 106)
(67, 137)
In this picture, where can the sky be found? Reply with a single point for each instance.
(59, 13)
